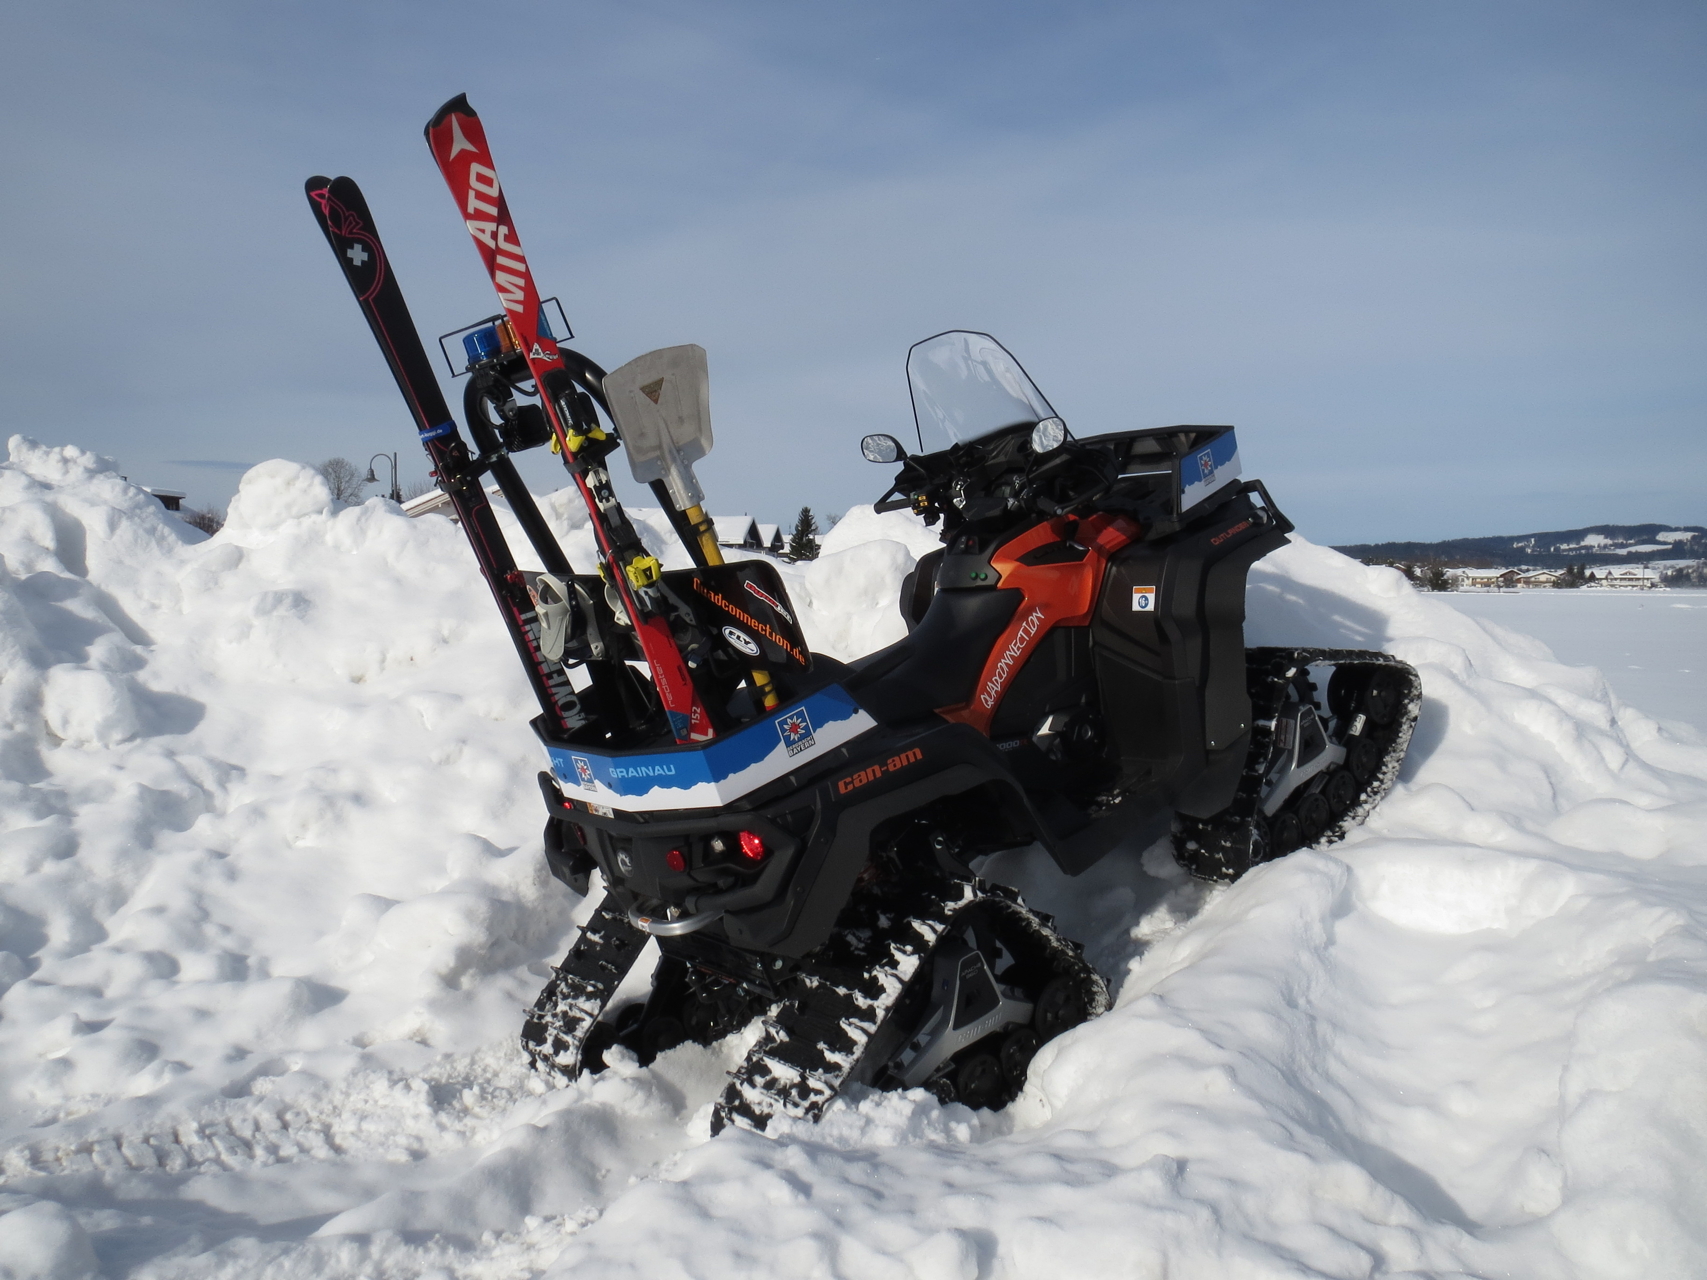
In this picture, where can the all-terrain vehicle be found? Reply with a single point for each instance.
(799, 836)
(1074, 676)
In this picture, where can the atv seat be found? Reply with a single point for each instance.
(937, 663)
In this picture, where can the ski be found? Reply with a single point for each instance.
(343, 216)
(458, 144)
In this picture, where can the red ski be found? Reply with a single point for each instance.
(459, 146)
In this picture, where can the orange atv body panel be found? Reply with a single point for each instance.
(1056, 595)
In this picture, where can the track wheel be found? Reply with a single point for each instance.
(1286, 833)
(1363, 757)
(979, 1082)
(1059, 1008)
(1340, 790)
(1382, 696)
(1018, 1050)
(1313, 817)
(1343, 687)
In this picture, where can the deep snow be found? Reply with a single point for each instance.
(272, 901)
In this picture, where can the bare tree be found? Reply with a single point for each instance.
(415, 488)
(209, 522)
(343, 479)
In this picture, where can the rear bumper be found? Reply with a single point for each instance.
(715, 774)
(816, 824)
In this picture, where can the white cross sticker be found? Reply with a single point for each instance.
(356, 254)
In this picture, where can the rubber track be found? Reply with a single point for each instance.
(1217, 848)
(812, 1043)
(580, 987)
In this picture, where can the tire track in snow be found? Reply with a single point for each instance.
(374, 1114)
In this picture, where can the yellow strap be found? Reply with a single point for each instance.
(764, 688)
(706, 532)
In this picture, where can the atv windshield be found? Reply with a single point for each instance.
(966, 385)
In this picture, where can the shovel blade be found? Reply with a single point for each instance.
(662, 405)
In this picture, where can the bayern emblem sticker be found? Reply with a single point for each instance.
(795, 730)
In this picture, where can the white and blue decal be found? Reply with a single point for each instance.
(1211, 468)
(705, 775)
(795, 730)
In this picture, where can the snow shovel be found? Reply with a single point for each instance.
(662, 405)
(661, 402)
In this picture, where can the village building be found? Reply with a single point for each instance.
(1621, 577)
(748, 534)
(737, 531)
(742, 532)
(171, 499)
(1484, 579)
(1633, 577)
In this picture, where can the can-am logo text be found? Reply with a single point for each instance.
(854, 781)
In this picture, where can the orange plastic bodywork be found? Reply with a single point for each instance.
(1056, 595)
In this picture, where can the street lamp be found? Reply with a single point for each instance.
(396, 493)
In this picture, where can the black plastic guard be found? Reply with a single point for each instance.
(1170, 639)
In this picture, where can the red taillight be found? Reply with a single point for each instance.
(674, 860)
(752, 848)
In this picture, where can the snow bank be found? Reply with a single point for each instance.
(272, 900)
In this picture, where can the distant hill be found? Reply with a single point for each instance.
(1597, 544)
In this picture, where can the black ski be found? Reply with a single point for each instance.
(344, 218)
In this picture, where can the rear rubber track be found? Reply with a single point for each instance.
(555, 1033)
(1226, 845)
(813, 1042)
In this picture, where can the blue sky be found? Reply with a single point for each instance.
(1442, 264)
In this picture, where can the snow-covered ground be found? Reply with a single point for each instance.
(1650, 645)
(272, 901)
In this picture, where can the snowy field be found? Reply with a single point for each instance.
(272, 901)
(1650, 645)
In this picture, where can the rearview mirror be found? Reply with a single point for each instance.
(881, 448)
(1048, 435)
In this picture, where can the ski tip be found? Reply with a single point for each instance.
(456, 106)
(319, 182)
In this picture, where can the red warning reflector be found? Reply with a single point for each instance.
(752, 848)
(674, 860)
